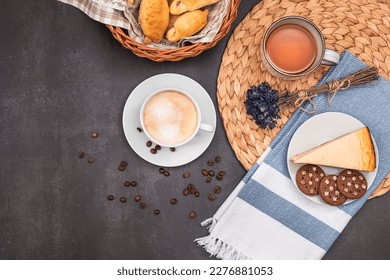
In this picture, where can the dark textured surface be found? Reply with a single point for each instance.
(64, 76)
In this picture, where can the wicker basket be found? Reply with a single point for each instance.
(176, 54)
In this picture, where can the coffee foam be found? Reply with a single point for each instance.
(170, 117)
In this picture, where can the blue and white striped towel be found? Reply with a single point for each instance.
(266, 217)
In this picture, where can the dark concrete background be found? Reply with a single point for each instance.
(63, 76)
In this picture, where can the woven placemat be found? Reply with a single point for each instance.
(360, 26)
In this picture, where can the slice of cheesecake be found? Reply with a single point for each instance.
(351, 151)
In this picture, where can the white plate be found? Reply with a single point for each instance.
(318, 130)
(183, 154)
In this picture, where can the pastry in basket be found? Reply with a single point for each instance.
(179, 7)
(153, 18)
(187, 25)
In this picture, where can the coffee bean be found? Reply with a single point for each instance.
(186, 191)
(123, 199)
(121, 168)
(218, 159)
(217, 189)
(153, 151)
(193, 214)
(94, 134)
(221, 173)
(91, 159)
(186, 175)
(81, 154)
(173, 201)
(193, 191)
(110, 197)
(149, 144)
(211, 197)
(166, 173)
(197, 194)
(208, 180)
(142, 205)
(211, 173)
(158, 147)
(156, 212)
(172, 149)
(191, 187)
(219, 177)
(127, 184)
(210, 162)
(137, 198)
(133, 183)
(205, 172)
(139, 129)
(161, 170)
(124, 163)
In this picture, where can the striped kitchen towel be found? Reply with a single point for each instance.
(266, 216)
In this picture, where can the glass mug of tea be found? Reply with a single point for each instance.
(171, 118)
(294, 47)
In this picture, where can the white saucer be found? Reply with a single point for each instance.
(165, 157)
(318, 130)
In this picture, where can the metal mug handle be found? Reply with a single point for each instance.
(331, 58)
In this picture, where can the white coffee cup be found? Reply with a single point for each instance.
(199, 125)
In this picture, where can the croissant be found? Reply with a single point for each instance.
(153, 18)
(178, 7)
(187, 25)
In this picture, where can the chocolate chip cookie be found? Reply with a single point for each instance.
(329, 191)
(352, 183)
(308, 179)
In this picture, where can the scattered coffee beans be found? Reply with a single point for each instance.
(149, 144)
(137, 198)
(217, 189)
(94, 134)
(139, 129)
(110, 197)
(133, 183)
(158, 147)
(142, 205)
(172, 149)
(161, 170)
(210, 162)
(91, 159)
(205, 172)
(123, 199)
(127, 184)
(166, 173)
(208, 180)
(193, 214)
(186, 175)
(221, 173)
(121, 168)
(81, 154)
(218, 159)
(156, 212)
(219, 177)
(211, 173)
(211, 197)
(186, 191)
(153, 151)
(197, 194)
(173, 201)
(124, 163)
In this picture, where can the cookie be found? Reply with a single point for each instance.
(329, 191)
(352, 183)
(308, 179)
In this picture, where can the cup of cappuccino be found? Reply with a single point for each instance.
(294, 47)
(171, 118)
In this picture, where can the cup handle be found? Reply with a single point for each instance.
(206, 127)
(330, 58)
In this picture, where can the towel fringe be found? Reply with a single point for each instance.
(209, 223)
(216, 247)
